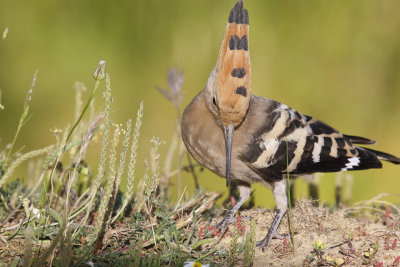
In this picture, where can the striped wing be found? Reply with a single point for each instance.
(304, 145)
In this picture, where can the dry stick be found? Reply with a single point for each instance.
(338, 245)
(187, 205)
(206, 205)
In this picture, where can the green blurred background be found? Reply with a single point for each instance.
(338, 61)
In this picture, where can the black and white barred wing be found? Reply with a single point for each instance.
(304, 145)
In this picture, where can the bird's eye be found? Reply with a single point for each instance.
(214, 101)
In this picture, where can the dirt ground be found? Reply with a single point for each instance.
(344, 237)
(363, 235)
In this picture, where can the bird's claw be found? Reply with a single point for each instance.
(281, 236)
(264, 244)
(223, 225)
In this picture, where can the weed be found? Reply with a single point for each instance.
(250, 245)
(233, 247)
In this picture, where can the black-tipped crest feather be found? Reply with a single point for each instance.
(238, 14)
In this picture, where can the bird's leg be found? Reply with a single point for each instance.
(279, 191)
(244, 194)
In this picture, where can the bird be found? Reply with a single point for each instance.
(251, 139)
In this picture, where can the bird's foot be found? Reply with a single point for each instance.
(264, 244)
(281, 236)
(223, 225)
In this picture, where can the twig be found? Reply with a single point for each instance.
(338, 245)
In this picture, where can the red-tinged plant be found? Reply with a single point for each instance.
(239, 225)
(396, 261)
(216, 232)
(387, 247)
(285, 244)
(202, 232)
(387, 215)
(203, 229)
(394, 244)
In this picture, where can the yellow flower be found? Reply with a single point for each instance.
(339, 261)
(328, 258)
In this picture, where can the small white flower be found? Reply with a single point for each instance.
(194, 264)
(34, 211)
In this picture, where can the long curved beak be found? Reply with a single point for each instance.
(228, 132)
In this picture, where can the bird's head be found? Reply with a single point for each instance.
(229, 84)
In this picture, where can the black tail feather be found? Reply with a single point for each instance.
(359, 140)
(384, 156)
(367, 160)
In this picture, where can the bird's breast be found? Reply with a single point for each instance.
(205, 141)
(203, 137)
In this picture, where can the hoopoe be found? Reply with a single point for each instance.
(250, 139)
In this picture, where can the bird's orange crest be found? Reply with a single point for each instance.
(233, 68)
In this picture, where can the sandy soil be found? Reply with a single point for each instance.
(347, 240)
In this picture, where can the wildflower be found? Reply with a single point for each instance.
(194, 264)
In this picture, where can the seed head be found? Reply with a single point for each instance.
(100, 72)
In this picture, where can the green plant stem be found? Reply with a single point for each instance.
(96, 86)
(289, 200)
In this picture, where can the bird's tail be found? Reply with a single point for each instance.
(382, 155)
